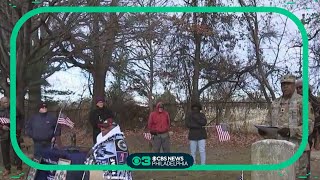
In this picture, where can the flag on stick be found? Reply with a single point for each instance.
(4, 120)
(241, 177)
(147, 136)
(223, 133)
(63, 119)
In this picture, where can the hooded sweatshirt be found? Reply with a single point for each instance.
(159, 122)
(111, 149)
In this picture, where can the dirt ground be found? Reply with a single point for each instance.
(236, 151)
(223, 153)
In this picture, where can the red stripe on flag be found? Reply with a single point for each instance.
(147, 136)
(4, 120)
(223, 134)
(66, 121)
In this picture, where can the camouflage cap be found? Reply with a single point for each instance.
(288, 79)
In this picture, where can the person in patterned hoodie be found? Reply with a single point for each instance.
(286, 114)
(110, 149)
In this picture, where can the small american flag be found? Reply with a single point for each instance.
(223, 133)
(4, 120)
(66, 121)
(147, 136)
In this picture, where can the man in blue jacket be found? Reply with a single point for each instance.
(43, 129)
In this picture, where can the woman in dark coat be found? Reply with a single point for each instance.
(196, 121)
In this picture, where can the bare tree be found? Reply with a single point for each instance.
(29, 50)
(93, 42)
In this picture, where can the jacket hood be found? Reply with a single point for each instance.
(158, 104)
(113, 132)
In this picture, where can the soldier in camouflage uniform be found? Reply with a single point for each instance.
(286, 114)
(315, 103)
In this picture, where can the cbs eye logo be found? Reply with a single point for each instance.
(136, 161)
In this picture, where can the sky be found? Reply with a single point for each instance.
(74, 80)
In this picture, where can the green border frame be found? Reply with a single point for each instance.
(100, 9)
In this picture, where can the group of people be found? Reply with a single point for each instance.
(109, 141)
(41, 128)
(159, 126)
(109, 147)
(286, 114)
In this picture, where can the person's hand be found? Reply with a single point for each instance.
(6, 128)
(284, 132)
(262, 133)
(170, 133)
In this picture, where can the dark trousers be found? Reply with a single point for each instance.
(161, 141)
(308, 165)
(5, 149)
(39, 147)
(313, 137)
(95, 133)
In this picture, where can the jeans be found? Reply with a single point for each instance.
(202, 150)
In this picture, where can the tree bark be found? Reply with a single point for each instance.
(34, 99)
(102, 56)
(197, 52)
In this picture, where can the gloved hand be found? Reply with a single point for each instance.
(262, 133)
(284, 132)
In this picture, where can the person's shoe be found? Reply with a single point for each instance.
(6, 172)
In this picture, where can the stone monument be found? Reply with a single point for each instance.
(272, 151)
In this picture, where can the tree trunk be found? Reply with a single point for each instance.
(196, 72)
(34, 99)
(99, 82)
(99, 74)
(103, 55)
(20, 95)
(151, 59)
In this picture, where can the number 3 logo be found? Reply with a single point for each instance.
(146, 161)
